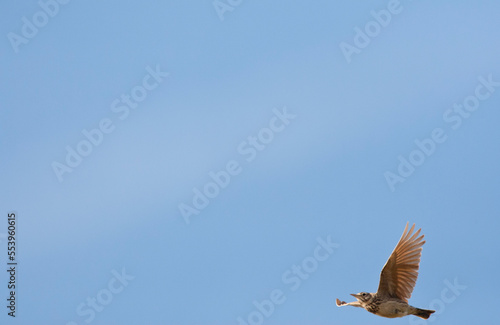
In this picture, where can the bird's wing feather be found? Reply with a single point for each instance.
(400, 272)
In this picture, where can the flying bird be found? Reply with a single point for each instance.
(397, 279)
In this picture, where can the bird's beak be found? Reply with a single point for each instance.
(355, 295)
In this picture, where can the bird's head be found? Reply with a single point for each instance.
(363, 297)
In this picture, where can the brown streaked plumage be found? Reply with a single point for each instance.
(397, 280)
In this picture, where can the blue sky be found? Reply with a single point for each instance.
(116, 116)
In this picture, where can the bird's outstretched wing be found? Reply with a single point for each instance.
(400, 272)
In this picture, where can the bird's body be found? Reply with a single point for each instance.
(397, 280)
(386, 307)
(390, 308)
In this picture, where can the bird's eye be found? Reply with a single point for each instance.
(364, 294)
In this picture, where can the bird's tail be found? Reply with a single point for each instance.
(423, 313)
